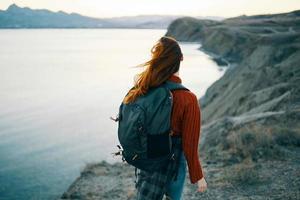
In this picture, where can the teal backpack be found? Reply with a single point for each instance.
(144, 128)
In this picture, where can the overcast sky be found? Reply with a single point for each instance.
(112, 8)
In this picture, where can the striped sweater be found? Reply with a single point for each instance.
(186, 121)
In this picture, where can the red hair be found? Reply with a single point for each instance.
(165, 61)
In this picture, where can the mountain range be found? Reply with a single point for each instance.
(18, 17)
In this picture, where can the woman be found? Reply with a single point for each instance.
(185, 121)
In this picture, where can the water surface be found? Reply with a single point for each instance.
(58, 88)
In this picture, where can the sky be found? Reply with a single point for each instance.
(115, 8)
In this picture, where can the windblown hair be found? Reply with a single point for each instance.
(165, 61)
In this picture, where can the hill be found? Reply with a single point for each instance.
(17, 17)
(251, 115)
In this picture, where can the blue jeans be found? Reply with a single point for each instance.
(175, 187)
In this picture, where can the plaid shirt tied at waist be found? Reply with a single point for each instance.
(152, 185)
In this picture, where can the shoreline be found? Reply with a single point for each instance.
(250, 137)
(221, 61)
(101, 168)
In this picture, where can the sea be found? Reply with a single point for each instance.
(58, 90)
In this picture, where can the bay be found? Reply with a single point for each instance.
(58, 88)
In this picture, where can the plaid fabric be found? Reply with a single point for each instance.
(152, 185)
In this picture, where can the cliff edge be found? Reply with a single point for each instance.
(250, 136)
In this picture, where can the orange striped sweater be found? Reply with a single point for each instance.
(186, 121)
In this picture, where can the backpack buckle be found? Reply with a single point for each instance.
(173, 156)
(119, 152)
(115, 119)
(134, 157)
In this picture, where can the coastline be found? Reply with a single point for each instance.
(250, 139)
(221, 61)
(117, 177)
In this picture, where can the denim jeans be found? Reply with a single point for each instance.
(175, 187)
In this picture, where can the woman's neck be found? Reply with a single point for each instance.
(176, 74)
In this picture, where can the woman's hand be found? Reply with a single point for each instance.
(202, 185)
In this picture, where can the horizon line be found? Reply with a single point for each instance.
(137, 15)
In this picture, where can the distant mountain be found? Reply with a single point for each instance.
(17, 17)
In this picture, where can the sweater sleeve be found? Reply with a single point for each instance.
(190, 136)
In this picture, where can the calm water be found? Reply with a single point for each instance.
(58, 89)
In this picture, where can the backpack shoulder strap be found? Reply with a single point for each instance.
(174, 86)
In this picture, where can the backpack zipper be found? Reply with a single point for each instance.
(171, 131)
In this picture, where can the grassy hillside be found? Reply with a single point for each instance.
(251, 115)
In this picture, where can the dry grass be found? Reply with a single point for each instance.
(255, 141)
(245, 172)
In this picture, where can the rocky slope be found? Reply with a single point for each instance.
(252, 113)
(251, 134)
(265, 50)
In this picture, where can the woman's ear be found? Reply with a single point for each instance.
(181, 59)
